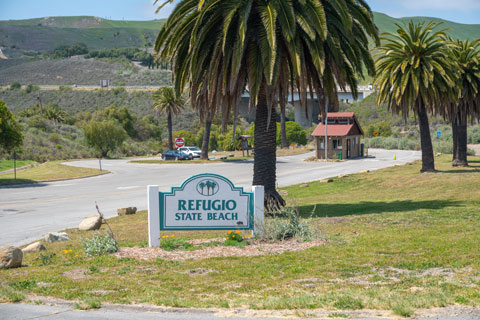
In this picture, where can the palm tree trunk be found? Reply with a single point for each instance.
(264, 165)
(459, 124)
(170, 135)
(283, 127)
(206, 138)
(454, 140)
(428, 161)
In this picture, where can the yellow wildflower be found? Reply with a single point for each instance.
(76, 255)
(229, 231)
(238, 231)
(172, 235)
(233, 236)
(121, 239)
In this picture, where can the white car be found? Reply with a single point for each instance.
(193, 151)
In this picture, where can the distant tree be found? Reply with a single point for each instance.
(294, 133)
(123, 116)
(104, 136)
(414, 74)
(165, 101)
(10, 130)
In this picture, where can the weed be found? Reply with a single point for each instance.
(403, 309)
(87, 304)
(93, 269)
(348, 303)
(338, 315)
(24, 285)
(173, 244)
(47, 259)
(100, 245)
(461, 300)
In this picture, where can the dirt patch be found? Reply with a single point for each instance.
(77, 274)
(199, 271)
(255, 248)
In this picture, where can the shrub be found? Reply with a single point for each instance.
(15, 85)
(286, 224)
(100, 245)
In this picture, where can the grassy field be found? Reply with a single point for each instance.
(8, 164)
(397, 240)
(52, 170)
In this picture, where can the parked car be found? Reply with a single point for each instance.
(194, 151)
(176, 155)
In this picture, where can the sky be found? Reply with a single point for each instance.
(462, 11)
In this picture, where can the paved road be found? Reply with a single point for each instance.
(28, 212)
(25, 311)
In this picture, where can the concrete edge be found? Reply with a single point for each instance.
(17, 185)
(19, 169)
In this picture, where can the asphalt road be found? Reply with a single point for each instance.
(25, 311)
(27, 212)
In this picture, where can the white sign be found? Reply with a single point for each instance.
(204, 202)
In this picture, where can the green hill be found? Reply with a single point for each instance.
(45, 34)
(386, 23)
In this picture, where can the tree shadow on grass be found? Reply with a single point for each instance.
(371, 207)
(20, 183)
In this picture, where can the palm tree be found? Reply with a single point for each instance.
(466, 55)
(166, 101)
(413, 72)
(221, 48)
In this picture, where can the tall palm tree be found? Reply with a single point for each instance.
(222, 47)
(167, 101)
(466, 56)
(414, 74)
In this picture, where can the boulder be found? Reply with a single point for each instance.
(56, 236)
(304, 185)
(34, 247)
(365, 171)
(10, 257)
(326, 180)
(124, 211)
(91, 223)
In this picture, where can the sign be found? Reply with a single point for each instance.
(439, 134)
(205, 201)
(179, 142)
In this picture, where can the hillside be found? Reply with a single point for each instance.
(386, 23)
(45, 34)
(80, 71)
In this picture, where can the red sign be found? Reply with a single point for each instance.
(179, 142)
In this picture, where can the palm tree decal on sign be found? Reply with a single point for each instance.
(201, 185)
(211, 186)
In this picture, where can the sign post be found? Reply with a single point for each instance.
(179, 142)
(205, 201)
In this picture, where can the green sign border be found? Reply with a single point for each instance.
(173, 190)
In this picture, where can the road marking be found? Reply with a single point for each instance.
(125, 188)
(95, 195)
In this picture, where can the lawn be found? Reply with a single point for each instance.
(52, 170)
(397, 240)
(8, 164)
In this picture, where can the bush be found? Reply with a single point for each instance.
(100, 245)
(286, 224)
(15, 85)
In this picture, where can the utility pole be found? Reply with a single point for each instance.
(326, 133)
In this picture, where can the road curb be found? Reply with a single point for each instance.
(19, 185)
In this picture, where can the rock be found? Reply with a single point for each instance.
(283, 192)
(34, 247)
(91, 223)
(56, 236)
(10, 257)
(365, 171)
(124, 211)
(231, 155)
(304, 185)
(342, 175)
(326, 180)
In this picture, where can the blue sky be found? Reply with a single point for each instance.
(463, 11)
